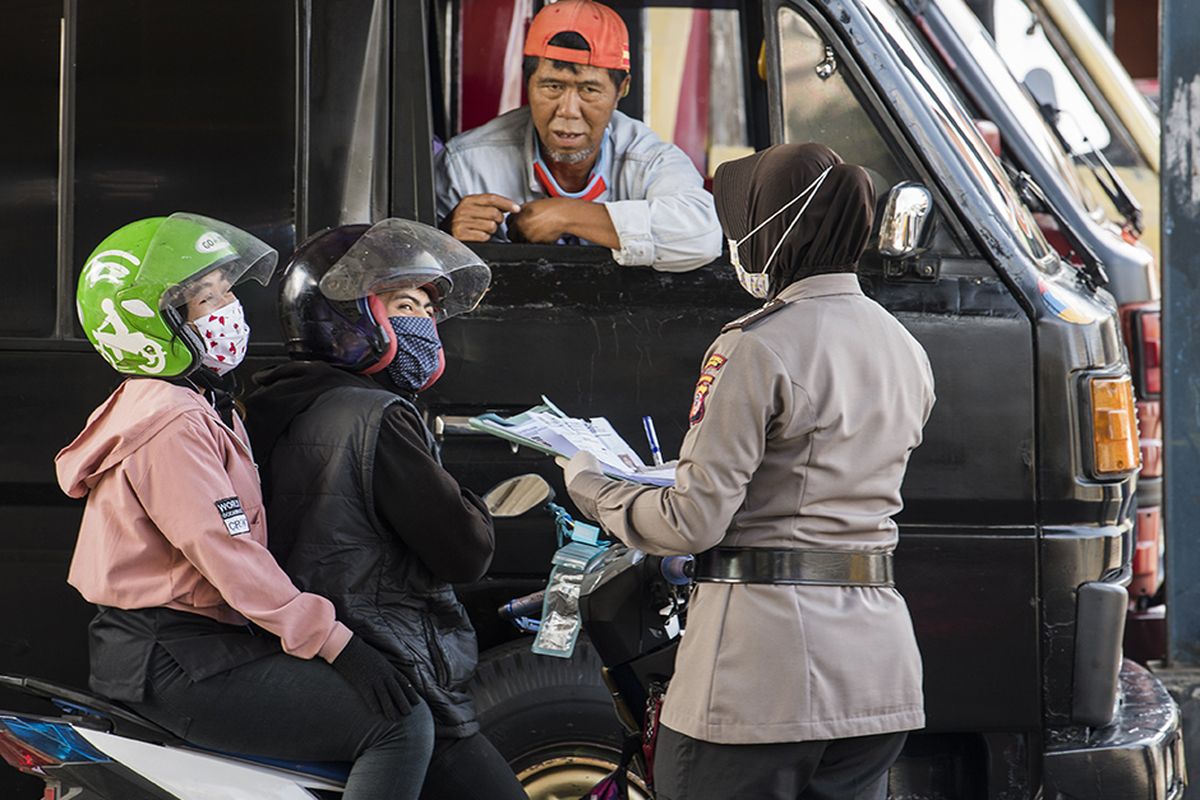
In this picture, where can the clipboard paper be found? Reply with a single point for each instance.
(548, 430)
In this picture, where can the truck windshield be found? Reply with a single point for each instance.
(1026, 47)
(959, 129)
(978, 43)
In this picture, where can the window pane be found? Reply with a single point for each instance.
(176, 110)
(820, 106)
(687, 73)
(492, 38)
(694, 90)
(962, 134)
(29, 44)
(981, 46)
(1033, 60)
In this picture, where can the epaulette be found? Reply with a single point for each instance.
(746, 320)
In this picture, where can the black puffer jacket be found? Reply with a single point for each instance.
(361, 511)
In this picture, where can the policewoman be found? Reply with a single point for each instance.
(799, 674)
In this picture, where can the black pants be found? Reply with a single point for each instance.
(470, 769)
(840, 769)
(288, 708)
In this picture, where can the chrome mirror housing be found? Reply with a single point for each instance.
(905, 218)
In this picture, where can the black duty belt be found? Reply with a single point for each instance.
(803, 567)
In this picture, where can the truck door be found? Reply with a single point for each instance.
(970, 506)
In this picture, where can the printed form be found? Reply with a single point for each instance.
(546, 428)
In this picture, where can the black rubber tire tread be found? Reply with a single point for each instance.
(530, 704)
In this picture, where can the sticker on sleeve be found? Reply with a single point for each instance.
(703, 386)
(232, 515)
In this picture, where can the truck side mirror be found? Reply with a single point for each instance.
(905, 217)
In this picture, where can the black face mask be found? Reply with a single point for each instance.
(419, 361)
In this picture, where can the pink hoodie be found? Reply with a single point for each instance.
(174, 518)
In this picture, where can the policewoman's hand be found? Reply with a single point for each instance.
(383, 687)
(581, 462)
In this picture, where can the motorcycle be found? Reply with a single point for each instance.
(95, 749)
(631, 605)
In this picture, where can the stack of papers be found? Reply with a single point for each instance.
(549, 430)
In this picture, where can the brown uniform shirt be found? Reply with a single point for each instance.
(802, 425)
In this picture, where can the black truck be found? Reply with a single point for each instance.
(288, 116)
(1034, 145)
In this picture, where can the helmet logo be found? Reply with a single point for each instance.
(99, 269)
(211, 241)
(118, 342)
(138, 308)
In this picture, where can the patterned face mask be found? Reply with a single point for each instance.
(758, 284)
(225, 334)
(418, 362)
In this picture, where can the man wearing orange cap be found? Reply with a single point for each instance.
(568, 167)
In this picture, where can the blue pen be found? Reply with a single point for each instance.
(652, 438)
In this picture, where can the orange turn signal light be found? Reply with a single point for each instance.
(1115, 446)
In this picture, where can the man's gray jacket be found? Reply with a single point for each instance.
(655, 197)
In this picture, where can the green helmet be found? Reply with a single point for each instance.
(136, 278)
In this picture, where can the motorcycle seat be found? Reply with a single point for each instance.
(91, 711)
(98, 713)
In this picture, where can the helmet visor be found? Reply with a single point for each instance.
(399, 253)
(188, 247)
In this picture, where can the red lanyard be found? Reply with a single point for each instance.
(594, 190)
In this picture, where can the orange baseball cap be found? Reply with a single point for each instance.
(600, 26)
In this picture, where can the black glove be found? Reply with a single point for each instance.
(384, 687)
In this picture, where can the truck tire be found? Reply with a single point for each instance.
(552, 718)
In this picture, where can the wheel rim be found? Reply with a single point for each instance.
(570, 775)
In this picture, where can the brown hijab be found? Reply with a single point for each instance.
(829, 237)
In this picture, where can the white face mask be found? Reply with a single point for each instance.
(758, 284)
(225, 335)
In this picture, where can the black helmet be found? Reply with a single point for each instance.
(329, 307)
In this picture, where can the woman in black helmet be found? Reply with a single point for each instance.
(364, 511)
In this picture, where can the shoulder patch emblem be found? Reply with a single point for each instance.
(230, 509)
(703, 386)
(746, 320)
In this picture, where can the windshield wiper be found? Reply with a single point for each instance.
(1110, 182)
(1091, 268)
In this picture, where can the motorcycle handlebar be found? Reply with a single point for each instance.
(522, 606)
(678, 570)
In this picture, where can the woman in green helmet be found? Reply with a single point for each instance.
(198, 628)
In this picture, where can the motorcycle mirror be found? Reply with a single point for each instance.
(515, 496)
